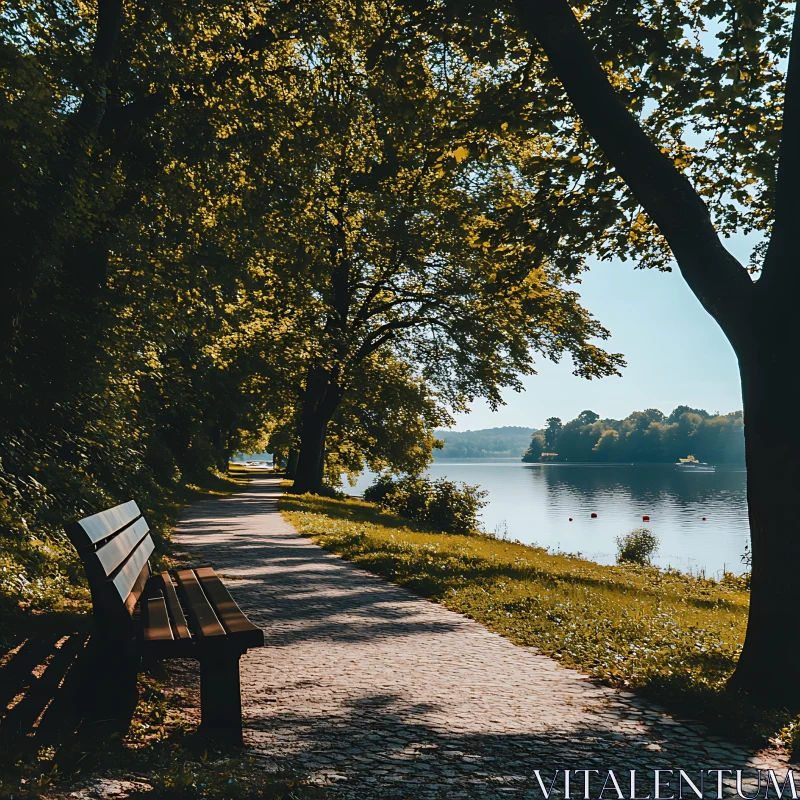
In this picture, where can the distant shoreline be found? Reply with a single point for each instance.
(518, 459)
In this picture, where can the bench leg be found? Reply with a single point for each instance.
(108, 689)
(220, 697)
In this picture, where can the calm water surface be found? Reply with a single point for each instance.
(533, 503)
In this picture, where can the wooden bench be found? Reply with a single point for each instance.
(140, 614)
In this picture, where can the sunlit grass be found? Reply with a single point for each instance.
(672, 636)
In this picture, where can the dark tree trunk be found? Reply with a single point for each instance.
(320, 401)
(767, 666)
(310, 463)
(291, 463)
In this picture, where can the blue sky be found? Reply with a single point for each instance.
(676, 354)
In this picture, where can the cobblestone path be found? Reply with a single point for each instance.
(381, 694)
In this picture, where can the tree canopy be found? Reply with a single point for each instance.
(314, 228)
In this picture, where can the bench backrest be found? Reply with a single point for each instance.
(115, 546)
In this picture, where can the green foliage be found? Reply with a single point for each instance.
(388, 423)
(419, 178)
(506, 442)
(204, 207)
(39, 568)
(443, 505)
(552, 433)
(42, 573)
(643, 436)
(112, 302)
(636, 547)
(188, 775)
(674, 637)
(705, 81)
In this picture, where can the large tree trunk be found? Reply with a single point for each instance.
(311, 461)
(757, 318)
(320, 401)
(767, 667)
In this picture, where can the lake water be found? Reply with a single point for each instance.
(533, 503)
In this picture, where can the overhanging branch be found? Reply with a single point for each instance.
(718, 280)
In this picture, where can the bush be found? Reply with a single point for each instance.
(380, 489)
(636, 547)
(441, 504)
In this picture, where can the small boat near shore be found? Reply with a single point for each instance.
(691, 464)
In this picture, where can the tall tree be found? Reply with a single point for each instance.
(405, 225)
(116, 282)
(93, 93)
(552, 432)
(741, 114)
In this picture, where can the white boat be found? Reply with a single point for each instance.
(691, 464)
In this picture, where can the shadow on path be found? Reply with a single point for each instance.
(382, 694)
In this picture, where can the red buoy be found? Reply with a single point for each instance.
(594, 516)
(570, 519)
(704, 519)
(645, 518)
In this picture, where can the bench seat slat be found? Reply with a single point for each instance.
(179, 627)
(159, 637)
(106, 523)
(228, 612)
(156, 626)
(201, 612)
(116, 550)
(126, 578)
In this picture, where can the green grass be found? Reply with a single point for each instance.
(673, 637)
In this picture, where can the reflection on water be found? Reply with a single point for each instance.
(535, 501)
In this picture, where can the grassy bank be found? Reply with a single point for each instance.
(671, 636)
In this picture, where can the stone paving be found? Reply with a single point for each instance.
(377, 693)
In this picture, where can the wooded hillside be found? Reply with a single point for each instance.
(505, 442)
(643, 436)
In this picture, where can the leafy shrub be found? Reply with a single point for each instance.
(380, 489)
(636, 547)
(443, 505)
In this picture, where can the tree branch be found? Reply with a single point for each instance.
(718, 280)
(428, 302)
(382, 334)
(93, 103)
(781, 253)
